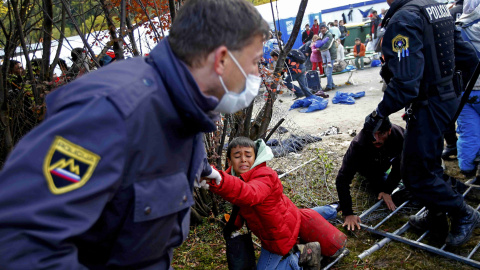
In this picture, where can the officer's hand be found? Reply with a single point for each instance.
(372, 123)
(388, 200)
(215, 175)
(201, 184)
(351, 222)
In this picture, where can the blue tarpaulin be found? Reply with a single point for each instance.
(347, 98)
(312, 103)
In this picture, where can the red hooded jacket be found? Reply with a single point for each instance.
(269, 214)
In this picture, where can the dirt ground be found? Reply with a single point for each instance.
(343, 116)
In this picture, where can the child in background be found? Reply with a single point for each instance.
(256, 189)
(316, 57)
(326, 57)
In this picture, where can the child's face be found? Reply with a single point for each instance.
(242, 159)
(357, 42)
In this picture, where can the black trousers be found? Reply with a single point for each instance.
(422, 170)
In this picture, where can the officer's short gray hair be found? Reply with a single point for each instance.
(233, 23)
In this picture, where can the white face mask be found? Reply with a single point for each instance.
(233, 102)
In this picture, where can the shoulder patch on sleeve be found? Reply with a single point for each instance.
(68, 166)
(399, 43)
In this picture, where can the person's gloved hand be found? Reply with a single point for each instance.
(201, 183)
(215, 175)
(373, 122)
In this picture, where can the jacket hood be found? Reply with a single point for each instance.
(195, 108)
(468, 18)
(264, 154)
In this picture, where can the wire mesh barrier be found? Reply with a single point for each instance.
(425, 240)
(23, 116)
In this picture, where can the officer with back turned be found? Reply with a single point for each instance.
(423, 52)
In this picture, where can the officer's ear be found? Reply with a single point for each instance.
(389, 131)
(219, 56)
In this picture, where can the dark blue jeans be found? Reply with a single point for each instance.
(302, 81)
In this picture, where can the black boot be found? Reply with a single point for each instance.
(463, 224)
(469, 173)
(449, 151)
(436, 222)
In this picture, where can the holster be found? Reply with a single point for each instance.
(458, 83)
(386, 74)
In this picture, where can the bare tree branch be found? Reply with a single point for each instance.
(92, 54)
(117, 45)
(60, 43)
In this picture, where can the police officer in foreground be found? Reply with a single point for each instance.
(422, 51)
(106, 180)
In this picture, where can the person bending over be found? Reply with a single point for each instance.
(371, 159)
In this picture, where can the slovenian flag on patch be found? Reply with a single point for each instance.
(65, 175)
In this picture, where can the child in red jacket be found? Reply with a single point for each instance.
(269, 214)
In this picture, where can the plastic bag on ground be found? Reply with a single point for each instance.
(301, 103)
(347, 98)
(317, 105)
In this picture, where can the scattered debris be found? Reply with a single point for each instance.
(293, 144)
(282, 130)
(333, 130)
(352, 132)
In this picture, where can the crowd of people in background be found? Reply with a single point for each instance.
(324, 49)
(81, 64)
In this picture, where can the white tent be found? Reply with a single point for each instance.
(145, 44)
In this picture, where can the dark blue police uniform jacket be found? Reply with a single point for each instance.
(106, 180)
(422, 50)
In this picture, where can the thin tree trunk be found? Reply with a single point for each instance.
(131, 36)
(263, 119)
(25, 50)
(117, 44)
(218, 162)
(60, 44)
(122, 17)
(47, 39)
(4, 123)
(171, 6)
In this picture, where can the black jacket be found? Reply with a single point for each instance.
(376, 22)
(307, 36)
(372, 163)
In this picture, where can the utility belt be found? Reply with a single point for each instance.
(446, 90)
